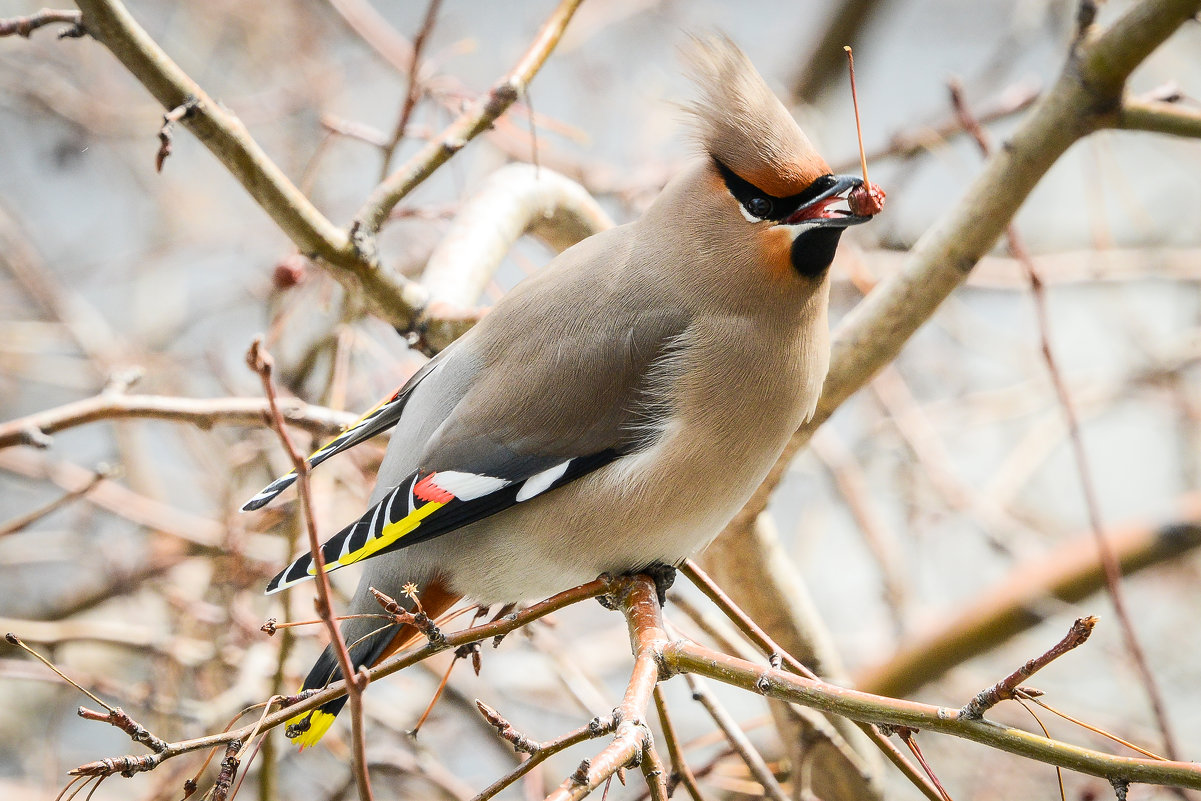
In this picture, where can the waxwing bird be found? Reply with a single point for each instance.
(615, 410)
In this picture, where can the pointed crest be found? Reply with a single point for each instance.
(741, 123)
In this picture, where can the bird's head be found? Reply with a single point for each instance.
(770, 192)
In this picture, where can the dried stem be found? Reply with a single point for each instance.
(858, 126)
(203, 412)
(737, 739)
(25, 26)
(260, 361)
(1006, 688)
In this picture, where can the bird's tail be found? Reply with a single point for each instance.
(379, 643)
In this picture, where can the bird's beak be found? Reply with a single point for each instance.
(824, 212)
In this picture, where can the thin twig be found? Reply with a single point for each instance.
(1109, 561)
(1025, 694)
(20, 522)
(1006, 688)
(907, 736)
(679, 766)
(413, 90)
(437, 152)
(13, 639)
(203, 412)
(737, 739)
(1063, 796)
(597, 727)
(261, 362)
(25, 26)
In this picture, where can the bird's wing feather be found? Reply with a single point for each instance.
(378, 420)
(429, 504)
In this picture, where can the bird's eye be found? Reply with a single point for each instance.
(759, 207)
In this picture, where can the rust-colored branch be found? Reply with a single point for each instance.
(681, 773)
(1067, 574)
(1004, 689)
(637, 599)
(261, 362)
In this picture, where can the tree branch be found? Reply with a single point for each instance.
(1066, 574)
(203, 412)
(682, 656)
(396, 299)
(25, 26)
(468, 126)
(1158, 117)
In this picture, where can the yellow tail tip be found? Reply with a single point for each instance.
(319, 723)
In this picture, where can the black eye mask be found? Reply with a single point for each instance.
(766, 206)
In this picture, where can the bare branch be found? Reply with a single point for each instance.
(504, 92)
(25, 26)
(226, 137)
(1158, 117)
(1068, 574)
(202, 412)
(737, 738)
(261, 362)
(1006, 687)
(684, 656)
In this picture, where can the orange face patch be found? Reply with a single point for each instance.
(775, 252)
(785, 180)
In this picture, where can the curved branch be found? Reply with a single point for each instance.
(203, 412)
(108, 21)
(515, 200)
(1067, 574)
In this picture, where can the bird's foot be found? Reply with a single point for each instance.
(664, 576)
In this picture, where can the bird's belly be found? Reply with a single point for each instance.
(661, 505)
